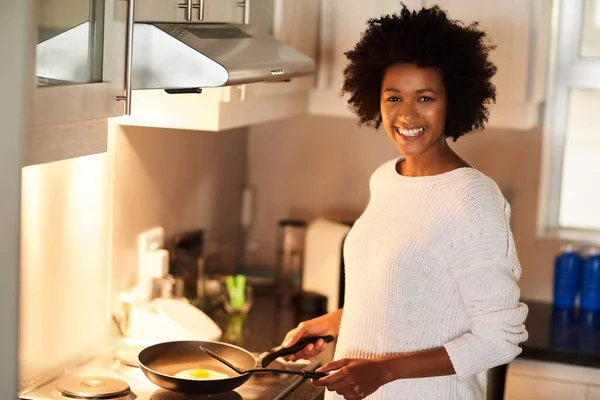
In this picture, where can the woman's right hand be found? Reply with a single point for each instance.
(328, 324)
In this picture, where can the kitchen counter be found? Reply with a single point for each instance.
(562, 336)
(265, 327)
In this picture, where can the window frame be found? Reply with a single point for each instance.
(566, 70)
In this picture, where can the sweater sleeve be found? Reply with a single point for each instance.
(486, 271)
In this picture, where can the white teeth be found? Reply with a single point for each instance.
(411, 132)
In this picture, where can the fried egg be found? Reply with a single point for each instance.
(200, 374)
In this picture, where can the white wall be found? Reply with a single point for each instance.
(16, 39)
(179, 180)
(316, 166)
(64, 266)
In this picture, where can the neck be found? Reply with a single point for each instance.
(438, 159)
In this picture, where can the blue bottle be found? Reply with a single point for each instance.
(590, 282)
(567, 271)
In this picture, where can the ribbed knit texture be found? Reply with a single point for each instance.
(431, 263)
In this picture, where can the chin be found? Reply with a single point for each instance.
(411, 149)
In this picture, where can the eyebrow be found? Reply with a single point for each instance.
(419, 91)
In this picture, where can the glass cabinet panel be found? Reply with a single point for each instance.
(70, 41)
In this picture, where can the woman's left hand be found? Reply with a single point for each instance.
(353, 378)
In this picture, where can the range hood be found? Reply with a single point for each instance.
(181, 56)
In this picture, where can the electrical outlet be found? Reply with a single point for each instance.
(149, 244)
(151, 240)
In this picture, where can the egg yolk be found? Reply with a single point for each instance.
(199, 374)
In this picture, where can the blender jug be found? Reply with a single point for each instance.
(187, 264)
(290, 256)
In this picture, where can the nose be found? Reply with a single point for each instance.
(407, 112)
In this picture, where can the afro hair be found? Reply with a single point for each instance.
(428, 39)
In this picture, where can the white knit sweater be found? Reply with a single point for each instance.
(431, 263)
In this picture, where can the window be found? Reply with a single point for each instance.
(571, 182)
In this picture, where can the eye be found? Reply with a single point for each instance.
(393, 98)
(425, 99)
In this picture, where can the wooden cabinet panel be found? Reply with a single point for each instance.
(593, 393)
(526, 388)
(70, 120)
(170, 11)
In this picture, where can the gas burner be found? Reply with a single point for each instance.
(93, 387)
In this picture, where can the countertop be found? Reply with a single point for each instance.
(562, 336)
(265, 327)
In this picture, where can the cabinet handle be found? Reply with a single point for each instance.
(326, 37)
(246, 5)
(189, 6)
(201, 10)
(128, 56)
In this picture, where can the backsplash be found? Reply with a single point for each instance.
(64, 262)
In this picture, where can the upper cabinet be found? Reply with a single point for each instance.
(190, 10)
(79, 74)
(293, 22)
(520, 29)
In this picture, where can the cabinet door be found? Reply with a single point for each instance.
(179, 11)
(80, 69)
(528, 388)
(80, 60)
(593, 393)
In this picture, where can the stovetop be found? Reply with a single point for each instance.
(117, 369)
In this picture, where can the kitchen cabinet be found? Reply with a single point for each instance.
(519, 29)
(524, 388)
(80, 71)
(190, 10)
(217, 109)
(532, 380)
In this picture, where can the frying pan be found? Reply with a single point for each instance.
(160, 362)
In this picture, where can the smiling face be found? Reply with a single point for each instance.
(413, 109)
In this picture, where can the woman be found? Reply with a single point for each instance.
(432, 300)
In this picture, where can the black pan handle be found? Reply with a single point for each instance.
(280, 351)
(304, 374)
